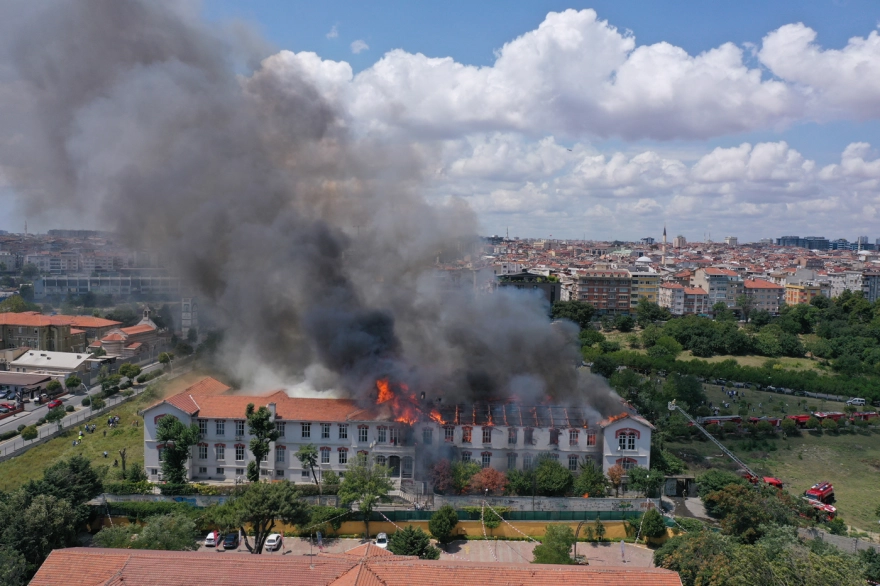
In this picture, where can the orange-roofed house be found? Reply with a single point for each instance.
(55, 333)
(502, 436)
(89, 566)
(133, 343)
(765, 295)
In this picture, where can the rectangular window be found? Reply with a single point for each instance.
(627, 464)
(486, 459)
(239, 453)
(511, 436)
(448, 434)
(220, 471)
(220, 428)
(239, 428)
(203, 452)
(383, 435)
(465, 456)
(161, 454)
(621, 442)
(239, 471)
(572, 437)
(572, 462)
(279, 473)
(427, 436)
(325, 456)
(280, 426)
(466, 435)
(305, 474)
(325, 431)
(343, 432)
(487, 435)
(395, 435)
(203, 427)
(306, 430)
(591, 438)
(381, 460)
(265, 458)
(203, 470)
(631, 441)
(529, 437)
(279, 454)
(343, 457)
(554, 436)
(363, 432)
(527, 462)
(221, 452)
(511, 461)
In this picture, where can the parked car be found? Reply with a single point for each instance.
(54, 403)
(274, 542)
(11, 395)
(4, 409)
(856, 402)
(9, 406)
(212, 539)
(230, 541)
(382, 540)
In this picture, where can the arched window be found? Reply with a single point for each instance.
(626, 439)
(626, 463)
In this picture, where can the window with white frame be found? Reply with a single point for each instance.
(572, 462)
(239, 428)
(427, 436)
(325, 456)
(220, 452)
(573, 437)
(279, 472)
(343, 432)
(281, 427)
(220, 471)
(591, 438)
(265, 458)
(203, 427)
(486, 459)
(465, 456)
(487, 435)
(627, 463)
(511, 461)
(394, 434)
(239, 471)
(383, 434)
(466, 435)
(220, 428)
(511, 435)
(203, 469)
(363, 433)
(448, 433)
(161, 454)
(343, 456)
(305, 474)
(325, 431)
(203, 451)
(627, 440)
(279, 454)
(306, 431)
(527, 462)
(239, 453)
(381, 460)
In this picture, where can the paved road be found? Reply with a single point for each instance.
(606, 554)
(33, 412)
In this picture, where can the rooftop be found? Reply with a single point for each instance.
(56, 360)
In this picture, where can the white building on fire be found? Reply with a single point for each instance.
(501, 436)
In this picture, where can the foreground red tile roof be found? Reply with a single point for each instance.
(139, 329)
(35, 319)
(80, 566)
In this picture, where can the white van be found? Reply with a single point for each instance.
(856, 402)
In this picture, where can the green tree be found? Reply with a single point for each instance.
(34, 525)
(261, 505)
(55, 415)
(177, 439)
(29, 433)
(117, 536)
(590, 337)
(462, 472)
(308, 456)
(644, 480)
(329, 479)
(600, 530)
(171, 532)
(590, 480)
(29, 271)
(576, 311)
(129, 370)
(714, 480)
(553, 478)
(97, 403)
(555, 546)
(789, 427)
(665, 347)
(53, 386)
(262, 430)
(322, 517)
(746, 304)
(870, 559)
(652, 524)
(13, 567)
(166, 358)
(685, 389)
(701, 558)
(73, 479)
(412, 541)
(624, 323)
(721, 312)
(442, 524)
(367, 484)
(648, 312)
(73, 382)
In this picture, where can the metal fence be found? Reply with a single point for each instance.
(411, 515)
(17, 445)
(847, 544)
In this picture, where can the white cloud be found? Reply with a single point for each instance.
(359, 46)
(334, 32)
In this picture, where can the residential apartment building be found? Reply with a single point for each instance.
(845, 281)
(608, 290)
(503, 436)
(146, 285)
(644, 284)
(679, 241)
(551, 290)
(681, 300)
(766, 295)
(803, 293)
(722, 285)
(871, 285)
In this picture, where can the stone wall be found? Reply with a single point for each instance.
(542, 503)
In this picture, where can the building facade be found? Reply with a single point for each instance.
(871, 285)
(765, 295)
(56, 333)
(797, 294)
(681, 300)
(722, 285)
(501, 436)
(845, 281)
(608, 290)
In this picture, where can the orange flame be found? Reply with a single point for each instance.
(403, 402)
(435, 416)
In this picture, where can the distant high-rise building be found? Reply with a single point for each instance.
(811, 242)
(679, 242)
(731, 240)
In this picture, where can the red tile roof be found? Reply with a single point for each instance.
(672, 286)
(113, 338)
(35, 319)
(188, 400)
(694, 291)
(139, 329)
(761, 284)
(81, 566)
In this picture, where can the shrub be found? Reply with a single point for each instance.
(8, 435)
(813, 423)
(41, 421)
(127, 487)
(86, 402)
(69, 409)
(21, 427)
(127, 393)
(98, 403)
(30, 432)
(829, 425)
(178, 489)
(789, 427)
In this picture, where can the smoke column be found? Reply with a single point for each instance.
(314, 247)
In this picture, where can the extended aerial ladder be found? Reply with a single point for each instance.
(748, 472)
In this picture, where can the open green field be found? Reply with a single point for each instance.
(30, 465)
(850, 461)
(771, 404)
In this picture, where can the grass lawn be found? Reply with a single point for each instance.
(30, 465)
(850, 461)
(774, 404)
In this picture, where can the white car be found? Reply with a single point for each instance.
(274, 542)
(212, 539)
(382, 540)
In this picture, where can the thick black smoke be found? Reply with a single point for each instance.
(314, 247)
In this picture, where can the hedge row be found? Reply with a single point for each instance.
(148, 376)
